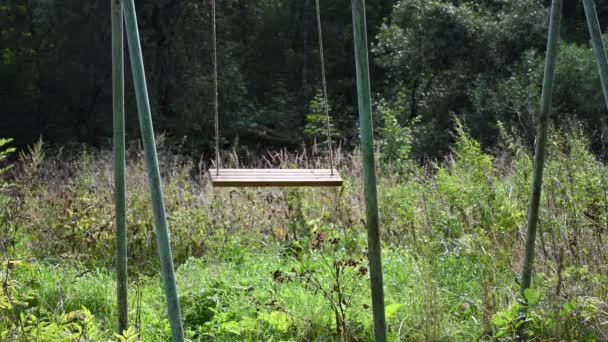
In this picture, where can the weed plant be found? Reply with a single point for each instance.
(290, 264)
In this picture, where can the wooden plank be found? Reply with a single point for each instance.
(266, 179)
(275, 183)
(271, 176)
(274, 177)
(275, 180)
(273, 171)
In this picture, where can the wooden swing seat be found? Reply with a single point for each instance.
(275, 177)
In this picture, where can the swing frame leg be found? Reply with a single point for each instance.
(152, 169)
(120, 197)
(369, 169)
(598, 45)
(539, 155)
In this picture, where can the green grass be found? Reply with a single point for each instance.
(217, 296)
(266, 264)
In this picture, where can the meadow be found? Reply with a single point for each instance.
(290, 264)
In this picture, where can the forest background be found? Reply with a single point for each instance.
(456, 87)
(432, 61)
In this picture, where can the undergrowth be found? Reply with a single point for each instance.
(290, 264)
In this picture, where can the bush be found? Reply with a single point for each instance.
(395, 136)
(515, 100)
(436, 51)
(259, 264)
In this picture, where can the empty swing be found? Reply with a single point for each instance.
(221, 177)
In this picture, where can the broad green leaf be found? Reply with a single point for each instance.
(392, 309)
(277, 319)
(232, 327)
(567, 308)
(531, 296)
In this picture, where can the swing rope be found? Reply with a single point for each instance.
(215, 93)
(324, 81)
(215, 88)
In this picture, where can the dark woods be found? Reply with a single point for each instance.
(55, 70)
(480, 61)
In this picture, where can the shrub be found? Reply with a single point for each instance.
(5, 151)
(395, 136)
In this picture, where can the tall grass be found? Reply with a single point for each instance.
(452, 232)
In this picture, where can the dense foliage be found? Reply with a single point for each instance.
(456, 90)
(480, 61)
(56, 81)
(291, 264)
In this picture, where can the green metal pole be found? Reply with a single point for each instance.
(541, 141)
(152, 169)
(598, 45)
(369, 168)
(120, 196)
